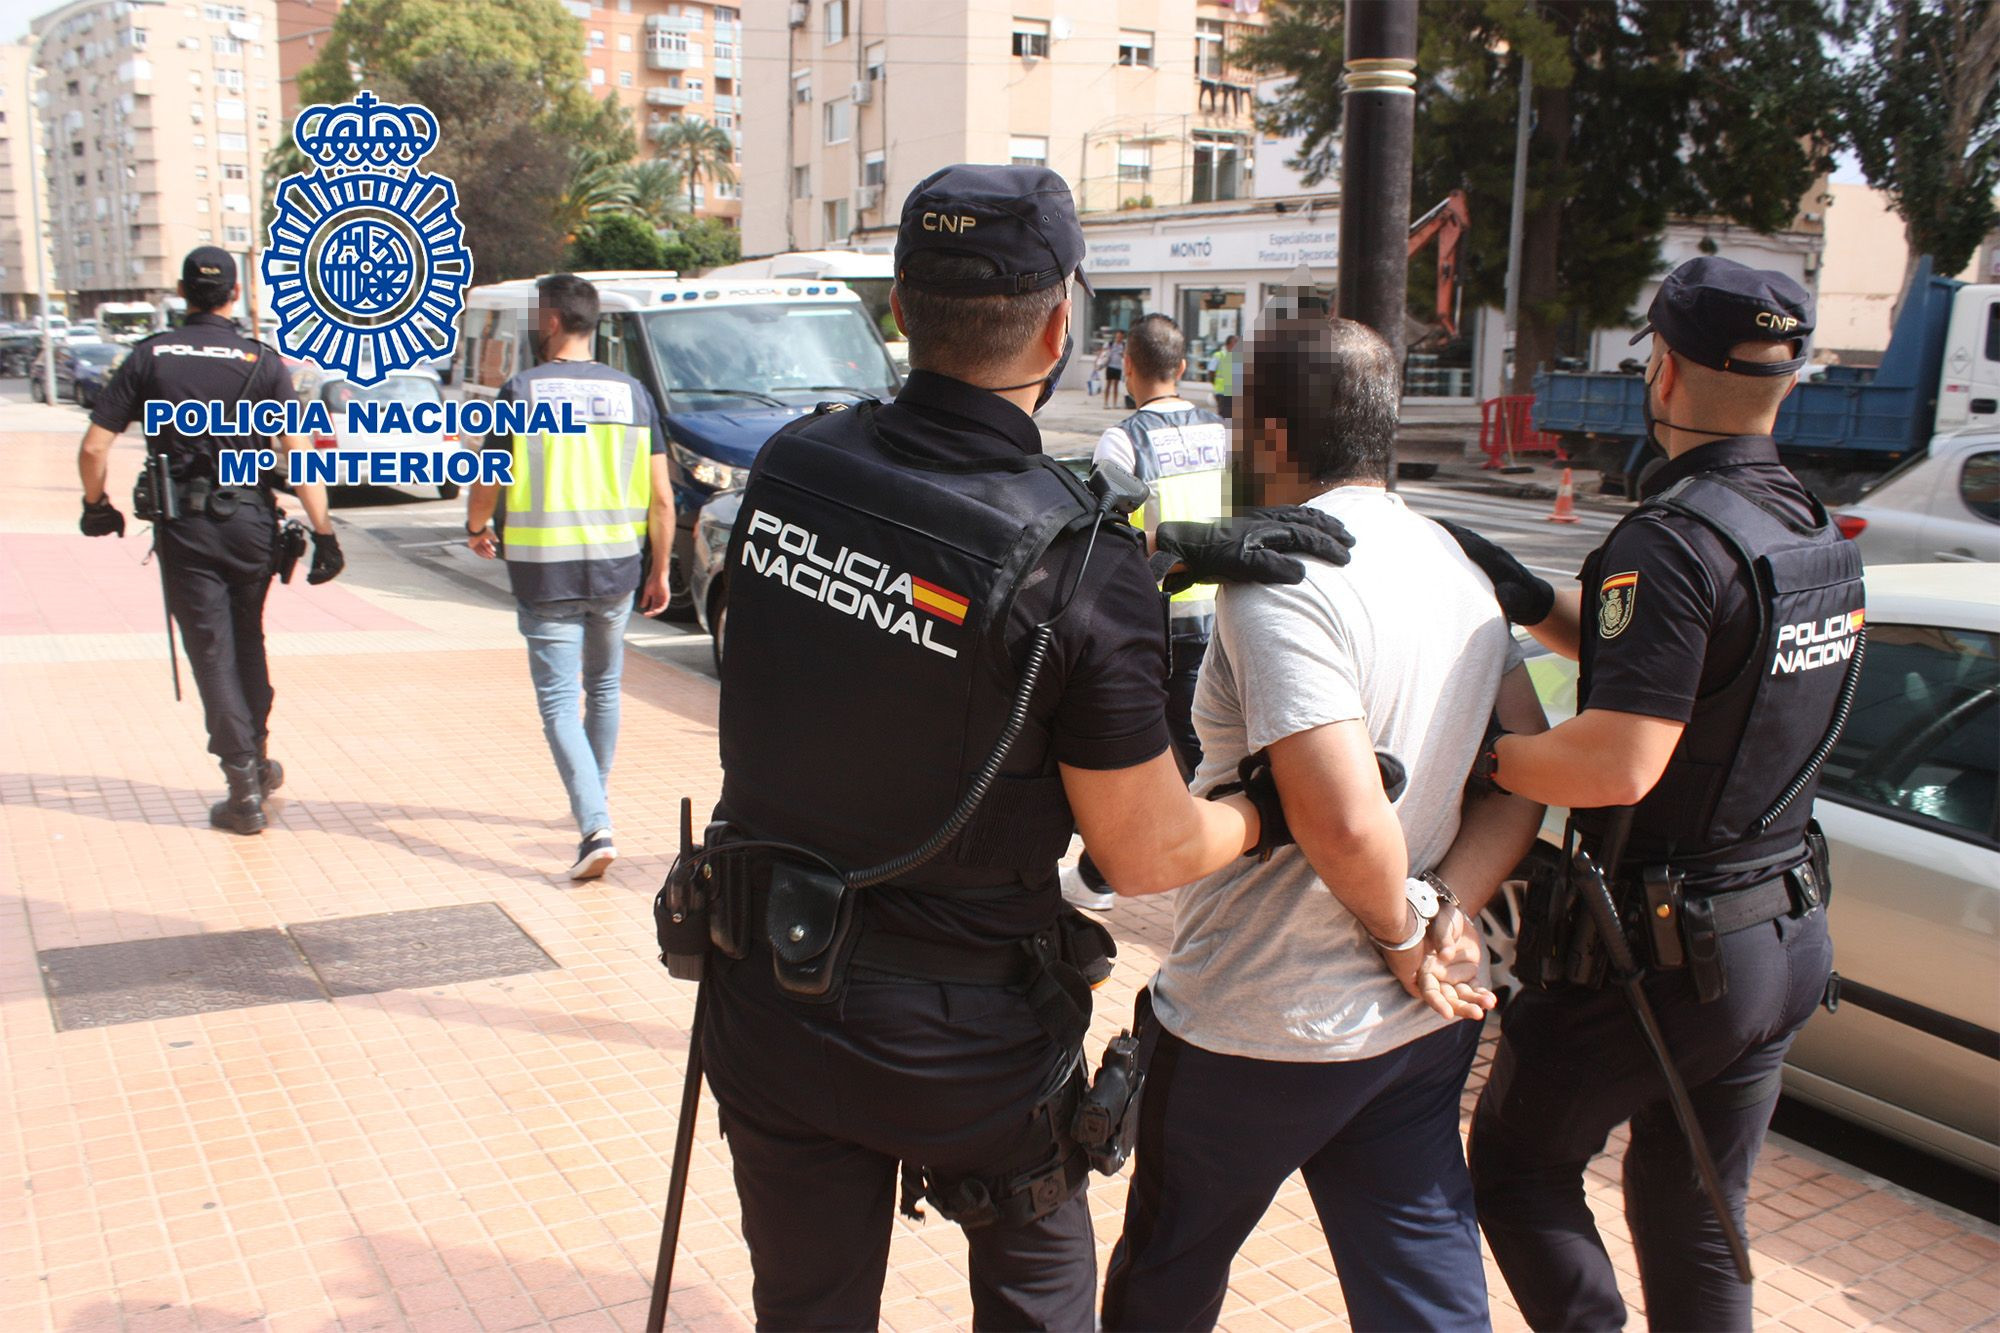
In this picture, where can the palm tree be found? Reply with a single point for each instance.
(697, 149)
(654, 185)
(597, 184)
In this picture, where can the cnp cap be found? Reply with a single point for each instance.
(1708, 305)
(1020, 218)
(208, 264)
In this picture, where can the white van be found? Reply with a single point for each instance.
(727, 361)
(870, 274)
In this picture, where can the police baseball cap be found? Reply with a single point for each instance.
(209, 265)
(1709, 305)
(1020, 218)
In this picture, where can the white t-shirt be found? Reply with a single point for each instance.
(1266, 962)
(1115, 445)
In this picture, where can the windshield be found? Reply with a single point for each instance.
(395, 389)
(98, 356)
(721, 355)
(129, 323)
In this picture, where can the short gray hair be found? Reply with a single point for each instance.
(966, 336)
(1337, 388)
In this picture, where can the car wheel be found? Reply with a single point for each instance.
(718, 619)
(448, 490)
(1498, 926)
(680, 598)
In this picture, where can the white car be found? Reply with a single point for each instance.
(409, 387)
(1910, 802)
(1942, 504)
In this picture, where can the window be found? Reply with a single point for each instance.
(624, 78)
(1031, 38)
(225, 14)
(1026, 150)
(1208, 48)
(232, 143)
(802, 185)
(236, 235)
(1993, 331)
(225, 46)
(234, 171)
(835, 14)
(1135, 48)
(1923, 740)
(1135, 162)
(611, 343)
(875, 169)
(200, 174)
(836, 220)
(1979, 484)
(624, 41)
(231, 79)
(201, 204)
(597, 78)
(877, 60)
(199, 140)
(839, 117)
(236, 203)
(694, 87)
(728, 14)
(228, 108)
(1218, 165)
(802, 87)
(596, 38)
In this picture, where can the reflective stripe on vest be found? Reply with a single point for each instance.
(1183, 456)
(580, 497)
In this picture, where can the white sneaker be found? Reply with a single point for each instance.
(1079, 894)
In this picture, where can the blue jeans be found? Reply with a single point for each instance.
(579, 639)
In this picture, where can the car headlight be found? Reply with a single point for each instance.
(706, 471)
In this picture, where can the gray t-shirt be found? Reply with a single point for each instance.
(1266, 962)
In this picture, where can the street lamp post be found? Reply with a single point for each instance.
(35, 169)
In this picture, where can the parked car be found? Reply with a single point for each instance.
(18, 350)
(401, 386)
(1941, 504)
(81, 369)
(1910, 802)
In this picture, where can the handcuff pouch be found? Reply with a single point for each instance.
(809, 924)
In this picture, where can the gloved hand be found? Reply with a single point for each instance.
(327, 559)
(1524, 598)
(1256, 781)
(101, 519)
(1256, 547)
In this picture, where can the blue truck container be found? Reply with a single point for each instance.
(1849, 419)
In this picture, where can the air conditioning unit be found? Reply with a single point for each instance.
(798, 13)
(867, 197)
(862, 91)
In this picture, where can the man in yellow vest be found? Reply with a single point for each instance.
(1181, 452)
(1222, 376)
(574, 530)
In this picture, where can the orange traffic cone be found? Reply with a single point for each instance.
(1565, 511)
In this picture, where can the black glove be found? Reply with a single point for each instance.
(101, 519)
(1524, 598)
(1257, 547)
(1254, 780)
(327, 559)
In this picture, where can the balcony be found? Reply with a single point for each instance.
(734, 104)
(673, 23)
(673, 59)
(670, 97)
(725, 67)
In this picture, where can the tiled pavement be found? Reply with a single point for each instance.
(492, 1154)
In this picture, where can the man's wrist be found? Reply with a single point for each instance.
(1418, 928)
(479, 531)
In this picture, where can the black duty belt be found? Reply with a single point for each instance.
(932, 960)
(1744, 908)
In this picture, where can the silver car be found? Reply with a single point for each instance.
(1942, 504)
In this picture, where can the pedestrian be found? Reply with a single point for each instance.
(587, 523)
(1318, 1011)
(1690, 769)
(1182, 454)
(945, 655)
(218, 557)
(1114, 365)
(1222, 376)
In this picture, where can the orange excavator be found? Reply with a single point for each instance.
(1447, 223)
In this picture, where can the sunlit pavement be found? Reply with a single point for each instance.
(489, 1153)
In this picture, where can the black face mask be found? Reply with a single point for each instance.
(1648, 421)
(1048, 382)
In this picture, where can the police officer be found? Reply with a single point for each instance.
(218, 556)
(914, 589)
(1716, 628)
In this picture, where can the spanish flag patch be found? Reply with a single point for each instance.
(940, 602)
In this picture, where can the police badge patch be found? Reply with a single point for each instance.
(1614, 604)
(367, 263)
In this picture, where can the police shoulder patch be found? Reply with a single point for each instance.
(1615, 599)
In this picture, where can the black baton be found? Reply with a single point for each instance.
(677, 1181)
(1604, 913)
(166, 509)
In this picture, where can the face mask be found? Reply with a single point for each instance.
(1048, 382)
(1647, 419)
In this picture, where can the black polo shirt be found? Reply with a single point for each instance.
(204, 360)
(1670, 612)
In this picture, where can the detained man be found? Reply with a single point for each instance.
(1319, 1009)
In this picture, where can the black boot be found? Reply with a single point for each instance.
(270, 773)
(242, 811)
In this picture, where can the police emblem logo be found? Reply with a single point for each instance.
(1615, 599)
(367, 263)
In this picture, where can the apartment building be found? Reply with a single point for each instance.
(302, 30)
(22, 254)
(157, 118)
(666, 59)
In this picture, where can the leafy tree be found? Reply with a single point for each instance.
(1922, 110)
(372, 40)
(617, 241)
(712, 242)
(697, 149)
(1641, 112)
(656, 188)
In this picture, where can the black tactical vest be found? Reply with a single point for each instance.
(868, 673)
(1749, 737)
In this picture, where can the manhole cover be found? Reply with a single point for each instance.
(135, 981)
(360, 955)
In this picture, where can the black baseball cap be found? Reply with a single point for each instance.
(1020, 218)
(1709, 304)
(209, 264)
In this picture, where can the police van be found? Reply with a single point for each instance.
(728, 362)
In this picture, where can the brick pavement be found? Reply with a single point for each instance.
(488, 1155)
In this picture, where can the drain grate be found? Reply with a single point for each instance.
(360, 955)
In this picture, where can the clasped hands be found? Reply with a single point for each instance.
(1442, 968)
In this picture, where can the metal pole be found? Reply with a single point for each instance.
(1518, 213)
(35, 167)
(1379, 122)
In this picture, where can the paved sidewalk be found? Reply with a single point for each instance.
(339, 1154)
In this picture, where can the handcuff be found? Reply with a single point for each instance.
(1427, 895)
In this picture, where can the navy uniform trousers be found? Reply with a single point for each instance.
(218, 573)
(821, 1101)
(1572, 1065)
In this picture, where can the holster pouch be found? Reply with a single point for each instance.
(1057, 991)
(1086, 945)
(292, 543)
(1663, 888)
(1704, 949)
(1017, 1194)
(221, 503)
(1542, 911)
(1815, 877)
(733, 898)
(809, 920)
(1107, 1120)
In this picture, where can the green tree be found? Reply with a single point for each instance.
(697, 149)
(372, 40)
(1922, 110)
(1642, 112)
(656, 188)
(712, 242)
(617, 241)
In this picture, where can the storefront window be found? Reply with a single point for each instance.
(1218, 165)
(1113, 310)
(1207, 316)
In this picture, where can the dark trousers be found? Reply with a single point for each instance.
(218, 572)
(1572, 1065)
(1184, 657)
(1222, 405)
(820, 1103)
(1377, 1141)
